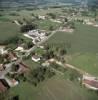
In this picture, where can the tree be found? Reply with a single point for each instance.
(52, 15)
(66, 20)
(28, 27)
(51, 28)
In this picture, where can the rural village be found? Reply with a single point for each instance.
(32, 47)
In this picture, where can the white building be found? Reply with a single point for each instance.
(2, 50)
(21, 49)
(36, 58)
(42, 17)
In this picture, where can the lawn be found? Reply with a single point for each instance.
(87, 62)
(55, 88)
(31, 63)
(8, 30)
(83, 39)
(46, 24)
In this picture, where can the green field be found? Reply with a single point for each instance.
(84, 39)
(87, 62)
(46, 24)
(8, 30)
(83, 44)
(56, 88)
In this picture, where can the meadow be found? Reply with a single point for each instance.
(83, 39)
(56, 88)
(81, 45)
(8, 30)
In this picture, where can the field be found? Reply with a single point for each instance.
(46, 24)
(8, 30)
(87, 62)
(56, 88)
(84, 39)
(81, 45)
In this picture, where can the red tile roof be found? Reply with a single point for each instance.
(92, 83)
(2, 87)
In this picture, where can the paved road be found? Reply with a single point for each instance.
(34, 47)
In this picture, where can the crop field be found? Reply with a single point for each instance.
(87, 62)
(53, 89)
(81, 45)
(83, 39)
(8, 30)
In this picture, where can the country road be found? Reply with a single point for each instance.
(71, 66)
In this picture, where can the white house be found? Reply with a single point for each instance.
(42, 17)
(36, 58)
(2, 50)
(19, 49)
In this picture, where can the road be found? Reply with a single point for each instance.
(39, 43)
(8, 66)
(72, 67)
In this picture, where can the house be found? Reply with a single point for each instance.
(3, 88)
(42, 17)
(22, 68)
(2, 67)
(90, 82)
(11, 82)
(36, 58)
(12, 56)
(21, 49)
(3, 85)
(2, 50)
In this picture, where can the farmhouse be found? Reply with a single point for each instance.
(36, 35)
(90, 82)
(22, 68)
(11, 82)
(12, 56)
(3, 88)
(3, 85)
(2, 67)
(42, 17)
(21, 49)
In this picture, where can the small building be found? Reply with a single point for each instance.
(36, 58)
(12, 56)
(2, 50)
(90, 83)
(22, 68)
(21, 49)
(2, 87)
(11, 82)
(2, 67)
(42, 17)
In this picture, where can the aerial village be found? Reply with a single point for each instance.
(12, 65)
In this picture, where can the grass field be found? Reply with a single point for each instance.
(84, 39)
(46, 24)
(31, 64)
(83, 44)
(56, 88)
(7, 31)
(87, 62)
